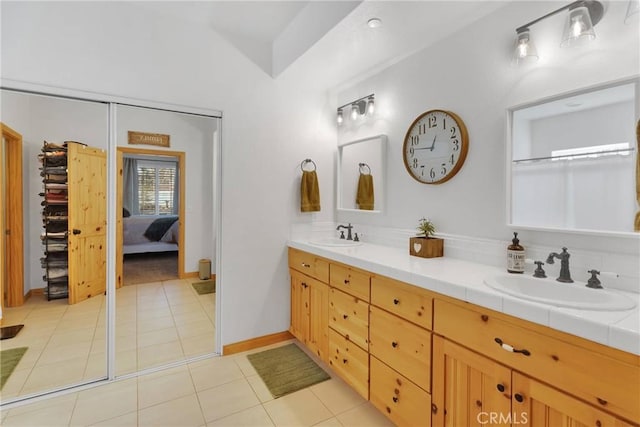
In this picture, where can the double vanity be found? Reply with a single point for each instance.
(447, 342)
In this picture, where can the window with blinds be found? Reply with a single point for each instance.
(156, 187)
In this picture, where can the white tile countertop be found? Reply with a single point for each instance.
(464, 280)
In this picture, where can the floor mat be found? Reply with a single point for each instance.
(8, 332)
(9, 359)
(205, 286)
(286, 369)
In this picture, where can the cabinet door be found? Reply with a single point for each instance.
(538, 405)
(299, 306)
(87, 177)
(318, 341)
(467, 387)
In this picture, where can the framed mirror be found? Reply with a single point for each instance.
(361, 175)
(572, 161)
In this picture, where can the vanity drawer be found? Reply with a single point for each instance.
(349, 280)
(399, 399)
(350, 362)
(349, 316)
(407, 301)
(602, 380)
(309, 264)
(402, 345)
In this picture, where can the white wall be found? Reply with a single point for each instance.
(469, 73)
(269, 127)
(39, 118)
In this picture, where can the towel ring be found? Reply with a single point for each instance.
(304, 162)
(364, 165)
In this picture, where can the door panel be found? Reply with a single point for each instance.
(87, 176)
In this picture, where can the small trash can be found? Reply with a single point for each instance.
(204, 270)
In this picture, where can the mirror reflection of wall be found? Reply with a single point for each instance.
(573, 162)
(361, 172)
(66, 343)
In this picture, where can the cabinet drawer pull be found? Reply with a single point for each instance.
(396, 301)
(395, 399)
(344, 360)
(500, 387)
(507, 347)
(434, 408)
(519, 397)
(394, 344)
(346, 281)
(345, 316)
(304, 285)
(305, 265)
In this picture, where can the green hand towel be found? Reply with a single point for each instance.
(309, 192)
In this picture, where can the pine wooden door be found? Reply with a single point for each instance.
(468, 388)
(538, 405)
(319, 319)
(87, 179)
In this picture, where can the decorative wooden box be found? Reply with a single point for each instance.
(426, 247)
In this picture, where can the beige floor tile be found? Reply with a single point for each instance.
(152, 314)
(159, 354)
(260, 388)
(49, 416)
(125, 329)
(254, 417)
(190, 317)
(96, 366)
(194, 329)
(227, 399)
(126, 361)
(364, 415)
(127, 342)
(126, 420)
(247, 368)
(55, 354)
(14, 384)
(187, 307)
(183, 412)
(331, 422)
(156, 324)
(55, 375)
(337, 396)
(73, 323)
(72, 337)
(301, 408)
(199, 344)
(43, 404)
(214, 372)
(105, 402)
(159, 336)
(164, 386)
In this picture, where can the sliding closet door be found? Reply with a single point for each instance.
(65, 339)
(165, 226)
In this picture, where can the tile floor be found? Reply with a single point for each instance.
(219, 391)
(156, 323)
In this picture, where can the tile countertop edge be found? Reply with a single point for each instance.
(463, 280)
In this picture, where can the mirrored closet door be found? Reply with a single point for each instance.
(59, 338)
(165, 301)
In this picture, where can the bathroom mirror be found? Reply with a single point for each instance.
(361, 175)
(572, 159)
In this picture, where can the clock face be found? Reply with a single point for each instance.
(435, 146)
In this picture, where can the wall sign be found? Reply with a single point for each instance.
(144, 138)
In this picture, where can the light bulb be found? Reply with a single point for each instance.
(578, 27)
(525, 49)
(354, 112)
(340, 118)
(371, 106)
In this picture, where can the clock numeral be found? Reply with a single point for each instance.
(452, 159)
(456, 145)
(444, 123)
(422, 128)
(444, 169)
(415, 162)
(453, 133)
(432, 122)
(411, 151)
(432, 173)
(415, 139)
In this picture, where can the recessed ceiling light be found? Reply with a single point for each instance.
(374, 23)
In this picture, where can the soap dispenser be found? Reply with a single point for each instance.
(515, 256)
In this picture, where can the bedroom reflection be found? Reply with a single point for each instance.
(165, 199)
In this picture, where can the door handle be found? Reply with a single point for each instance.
(76, 231)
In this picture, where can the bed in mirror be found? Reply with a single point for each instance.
(361, 175)
(572, 161)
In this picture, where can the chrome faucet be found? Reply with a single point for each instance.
(565, 274)
(348, 227)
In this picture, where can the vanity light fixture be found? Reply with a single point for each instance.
(359, 107)
(581, 17)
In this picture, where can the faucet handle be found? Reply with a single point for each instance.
(593, 282)
(342, 234)
(539, 272)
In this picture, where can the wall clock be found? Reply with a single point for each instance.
(435, 146)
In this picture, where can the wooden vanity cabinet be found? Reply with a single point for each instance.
(310, 313)
(549, 370)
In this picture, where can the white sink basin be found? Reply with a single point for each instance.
(334, 242)
(550, 291)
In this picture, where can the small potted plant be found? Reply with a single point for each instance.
(424, 244)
